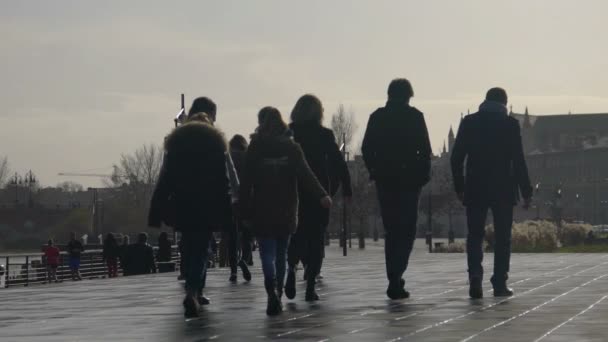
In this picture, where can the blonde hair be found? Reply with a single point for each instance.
(200, 117)
(308, 108)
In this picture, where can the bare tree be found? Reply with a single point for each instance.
(69, 186)
(5, 170)
(139, 172)
(343, 124)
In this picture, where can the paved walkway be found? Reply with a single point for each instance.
(559, 297)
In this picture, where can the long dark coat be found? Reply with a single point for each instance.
(275, 171)
(496, 170)
(326, 161)
(194, 176)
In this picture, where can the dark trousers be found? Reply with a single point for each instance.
(235, 233)
(399, 209)
(246, 244)
(112, 264)
(273, 254)
(476, 220)
(308, 246)
(232, 236)
(196, 253)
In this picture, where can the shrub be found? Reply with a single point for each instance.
(573, 234)
(456, 247)
(529, 236)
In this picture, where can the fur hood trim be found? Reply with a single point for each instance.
(192, 134)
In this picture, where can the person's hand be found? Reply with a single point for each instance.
(326, 202)
(460, 196)
(527, 202)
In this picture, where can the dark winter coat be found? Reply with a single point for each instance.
(326, 161)
(164, 251)
(396, 146)
(111, 250)
(238, 158)
(139, 259)
(193, 181)
(496, 170)
(269, 189)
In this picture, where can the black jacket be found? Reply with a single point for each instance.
(323, 156)
(496, 170)
(139, 259)
(396, 145)
(193, 181)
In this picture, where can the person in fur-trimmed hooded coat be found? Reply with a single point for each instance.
(193, 182)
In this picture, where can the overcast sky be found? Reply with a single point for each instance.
(84, 81)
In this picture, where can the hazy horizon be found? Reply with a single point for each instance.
(85, 82)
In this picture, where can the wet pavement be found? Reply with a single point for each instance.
(558, 297)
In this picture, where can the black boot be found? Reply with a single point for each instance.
(396, 290)
(311, 293)
(500, 286)
(274, 306)
(245, 269)
(233, 278)
(191, 307)
(290, 284)
(475, 289)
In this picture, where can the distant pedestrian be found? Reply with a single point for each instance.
(238, 149)
(496, 173)
(164, 248)
(111, 253)
(194, 174)
(274, 166)
(140, 257)
(52, 255)
(397, 153)
(123, 253)
(75, 250)
(327, 163)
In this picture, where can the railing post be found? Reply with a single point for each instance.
(8, 269)
(27, 270)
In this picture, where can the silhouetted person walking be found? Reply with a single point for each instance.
(75, 250)
(52, 256)
(496, 173)
(111, 253)
(238, 150)
(324, 158)
(194, 176)
(140, 256)
(274, 167)
(397, 154)
(164, 248)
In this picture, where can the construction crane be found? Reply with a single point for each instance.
(74, 174)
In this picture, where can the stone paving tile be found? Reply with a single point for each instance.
(559, 297)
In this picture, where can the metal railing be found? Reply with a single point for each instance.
(31, 269)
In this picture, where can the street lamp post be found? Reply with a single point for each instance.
(16, 182)
(30, 181)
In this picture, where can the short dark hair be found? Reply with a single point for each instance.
(142, 237)
(400, 89)
(238, 143)
(497, 94)
(203, 105)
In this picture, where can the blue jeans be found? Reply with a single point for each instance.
(196, 254)
(273, 253)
